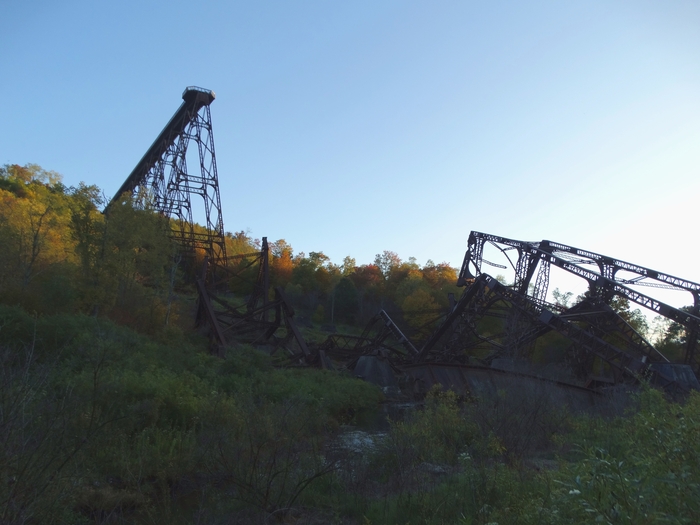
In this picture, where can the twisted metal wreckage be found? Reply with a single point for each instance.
(500, 324)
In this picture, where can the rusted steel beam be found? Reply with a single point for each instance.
(210, 312)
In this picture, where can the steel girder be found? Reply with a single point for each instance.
(229, 324)
(381, 337)
(385, 327)
(249, 322)
(258, 299)
(484, 293)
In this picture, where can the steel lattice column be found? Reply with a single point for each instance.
(162, 178)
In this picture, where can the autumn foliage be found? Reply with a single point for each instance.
(62, 254)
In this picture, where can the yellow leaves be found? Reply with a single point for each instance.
(33, 174)
(419, 309)
(35, 232)
(59, 252)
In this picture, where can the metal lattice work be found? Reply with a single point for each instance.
(612, 341)
(606, 277)
(250, 322)
(163, 179)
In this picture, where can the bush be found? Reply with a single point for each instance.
(43, 430)
(437, 434)
(648, 475)
(267, 453)
(521, 421)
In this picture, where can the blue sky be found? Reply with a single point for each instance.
(356, 127)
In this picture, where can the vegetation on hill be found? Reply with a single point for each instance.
(60, 254)
(112, 410)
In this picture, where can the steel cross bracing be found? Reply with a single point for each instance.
(381, 337)
(604, 283)
(250, 322)
(163, 180)
(608, 323)
(485, 292)
(258, 299)
(387, 328)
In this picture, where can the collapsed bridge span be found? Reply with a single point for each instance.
(490, 323)
(493, 322)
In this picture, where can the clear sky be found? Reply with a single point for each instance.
(361, 126)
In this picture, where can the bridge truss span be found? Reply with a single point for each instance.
(606, 277)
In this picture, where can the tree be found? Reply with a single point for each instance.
(325, 272)
(36, 243)
(348, 266)
(316, 275)
(671, 338)
(386, 262)
(239, 243)
(304, 274)
(562, 299)
(345, 301)
(409, 285)
(419, 309)
(87, 228)
(134, 267)
(369, 281)
(635, 318)
(281, 262)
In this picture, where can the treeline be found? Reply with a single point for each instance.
(350, 293)
(61, 254)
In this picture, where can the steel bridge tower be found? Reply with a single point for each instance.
(162, 179)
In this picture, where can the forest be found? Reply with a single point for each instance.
(113, 410)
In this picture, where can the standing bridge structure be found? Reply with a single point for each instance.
(163, 179)
(177, 172)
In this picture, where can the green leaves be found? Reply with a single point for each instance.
(647, 474)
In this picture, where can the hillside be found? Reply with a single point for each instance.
(113, 410)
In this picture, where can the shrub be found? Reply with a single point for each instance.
(267, 453)
(648, 474)
(438, 433)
